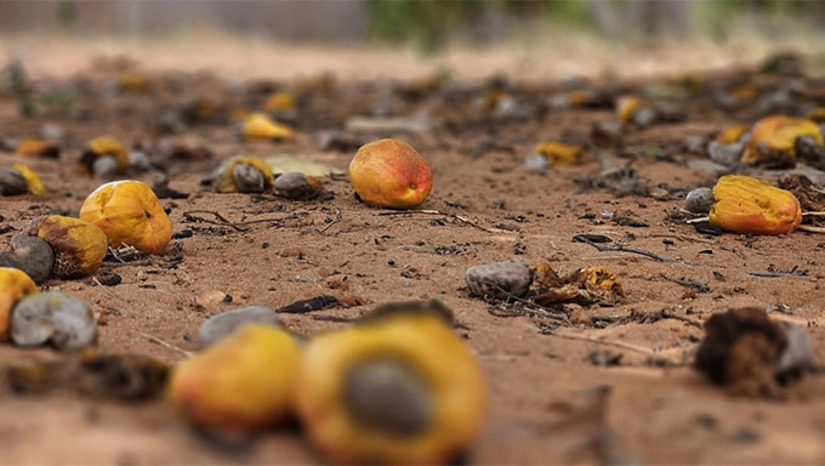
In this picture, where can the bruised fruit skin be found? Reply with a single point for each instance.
(14, 285)
(243, 383)
(746, 205)
(129, 213)
(390, 173)
(79, 246)
(400, 387)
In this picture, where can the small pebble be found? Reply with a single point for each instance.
(799, 355)
(536, 163)
(499, 279)
(699, 200)
(725, 154)
(220, 325)
(65, 322)
(296, 185)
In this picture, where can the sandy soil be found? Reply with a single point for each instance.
(542, 407)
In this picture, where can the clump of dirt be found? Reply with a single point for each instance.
(745, 351)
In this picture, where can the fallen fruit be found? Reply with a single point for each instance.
(104, 157)
(241, 175)
(65, 322)
(400, 387)
(129, 213)
(220, 325)
(746, 205)
(774, 141)
(390, 173)
(14, 286)
(243, 383)
(630, 110)
(279, 102)
(732, 134)
(78, 246)
(499, 279)
(260, 126)
(37, 147)
(560, 154)
(34, 184)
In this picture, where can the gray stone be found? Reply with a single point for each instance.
(536, 163)
(64, 321)
(500, 279)
(799, 355)
(699, 200)
(221, 325)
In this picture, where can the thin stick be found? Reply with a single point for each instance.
(698, 220)
(813, 214)
(460, 218)
(811, 229)
(620, 248)
(621, 344)
(97, 282)
(166, 345)
(671, 315)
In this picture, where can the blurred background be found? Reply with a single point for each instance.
(589, 29)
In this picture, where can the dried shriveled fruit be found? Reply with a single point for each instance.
(242, 175)
(129, 213)
(746, 205)
(104, 157)
(243, 383)
(260, 126)
(37, 147)
(67, 323)
(560, 154)
(587, 286)
(79, 246)
(390, 173)
(14, 286)
(398, 388)
(774, 141)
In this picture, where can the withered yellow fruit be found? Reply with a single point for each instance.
(104, 146)
(14, 285)
(33, 182)
(243, 383)
(560, 154)
(79, 246)
(399, 388)
(742, 204)
(230, 181)
(260, 126)
(773, 141)
(129, 213)
(390, 173)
